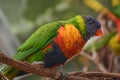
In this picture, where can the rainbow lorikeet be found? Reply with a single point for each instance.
(55, 43)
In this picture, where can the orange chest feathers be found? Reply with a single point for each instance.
(69, 40)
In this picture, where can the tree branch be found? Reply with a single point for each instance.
(40, 70)
(94, 58)
(100, 74)
(27, 67)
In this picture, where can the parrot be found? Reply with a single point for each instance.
(56, 42)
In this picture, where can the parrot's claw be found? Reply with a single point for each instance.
(63, 76)
(39, 62)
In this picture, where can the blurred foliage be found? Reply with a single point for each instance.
(116, 10)
(37, 7)
(23, 15)
(115, 44)
(13, 9)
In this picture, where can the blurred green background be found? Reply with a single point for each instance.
(25, 16)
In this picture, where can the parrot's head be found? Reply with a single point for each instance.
(93, 27)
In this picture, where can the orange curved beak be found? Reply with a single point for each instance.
(99, 32)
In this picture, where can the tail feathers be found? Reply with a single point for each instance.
(10, 72)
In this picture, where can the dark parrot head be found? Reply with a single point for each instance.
(93, 27)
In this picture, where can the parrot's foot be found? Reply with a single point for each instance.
(40, 63)
(63, 73)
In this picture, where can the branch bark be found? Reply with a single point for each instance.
(27, 67)
(55, 74)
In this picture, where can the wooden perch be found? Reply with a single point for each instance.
(27, 67)
(55, 74)
(95, 74)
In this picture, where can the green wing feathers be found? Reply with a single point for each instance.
(40, 39)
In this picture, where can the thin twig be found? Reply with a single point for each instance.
(100, 74)
(94, 58)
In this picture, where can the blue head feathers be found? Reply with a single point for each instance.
(92, 25)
